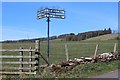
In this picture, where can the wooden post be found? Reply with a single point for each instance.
(37, 45)
(30, 59)
(114, 47)
(96, 51)
(37, 52)
(21, 60)
(66, 52)
(37, 61)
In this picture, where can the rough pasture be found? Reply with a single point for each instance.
(76, 49)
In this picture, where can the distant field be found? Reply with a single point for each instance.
(104, 37)
(57, 48)
(75, 49)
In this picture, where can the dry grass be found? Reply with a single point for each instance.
(104, 37)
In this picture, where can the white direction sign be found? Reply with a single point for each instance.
(51, 16)
(51, 11)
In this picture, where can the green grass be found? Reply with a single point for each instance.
(85, 70)
(75, 49)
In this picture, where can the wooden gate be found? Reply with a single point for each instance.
(28, 66)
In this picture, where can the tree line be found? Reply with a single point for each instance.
(69, 37)
(84, 35)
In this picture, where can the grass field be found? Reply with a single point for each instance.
(104, 37)
(75, 49)
(57, 49)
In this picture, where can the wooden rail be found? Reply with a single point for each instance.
(18, 62)
(16, 50)
(17, 72)
(16, 68)
(33, 60)
(7, 56)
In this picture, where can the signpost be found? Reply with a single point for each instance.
(50, 13)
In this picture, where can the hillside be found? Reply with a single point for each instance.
(103, 37)
(76, 49)
(69, 37)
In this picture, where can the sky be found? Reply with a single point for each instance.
(19, 19)
(60, 0)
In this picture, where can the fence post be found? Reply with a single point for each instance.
(37, 45)
(66, 52)
(30, 59)
(96, 51)
(37, 52)
(21, 60)
(114, 48)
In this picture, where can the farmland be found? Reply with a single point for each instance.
(104, 37)
(75, 49)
